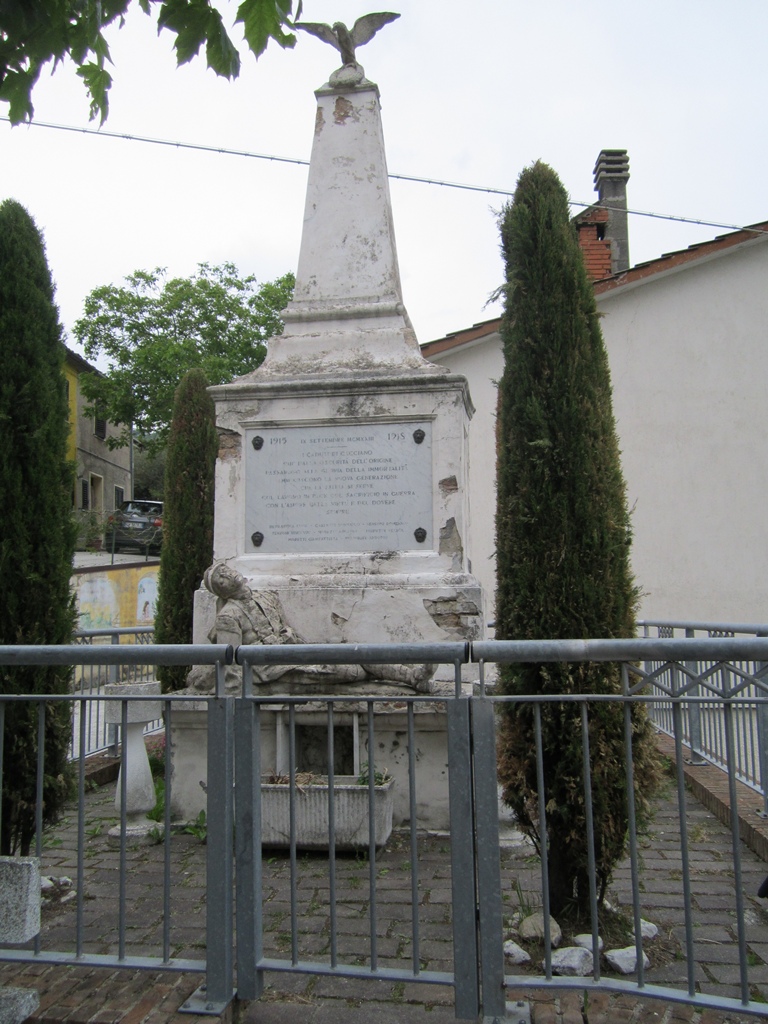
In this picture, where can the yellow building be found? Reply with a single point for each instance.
(103, 476)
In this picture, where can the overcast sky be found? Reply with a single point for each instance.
(471, 92)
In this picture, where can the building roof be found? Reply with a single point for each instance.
(718, 246)
(77, 362)
(639, 274)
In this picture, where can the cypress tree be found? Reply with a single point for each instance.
(38, 530)
(187, 516)
(563, 541)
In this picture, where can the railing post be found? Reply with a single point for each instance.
(490, 920)
(466, 982)
(218, 991)
(694, 711)
(250, 981)
(113, 729)
(762, 737)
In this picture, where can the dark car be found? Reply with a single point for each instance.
(136, 524)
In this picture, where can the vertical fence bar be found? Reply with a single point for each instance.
(167, 789)
(250, 982)
(762, 734)
(80, 837)
(292, 829)
(414, 838)
(735, 840)
(332, 836)
(113, 737)
(466, 982)
(694, 709)
(39, 779)
(543, 840)
(589, 825)
(678, 727)
(490, 920)
(372, 838)
(219, 849)
(634, 860)
(124, 769)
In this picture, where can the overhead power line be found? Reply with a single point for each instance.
(487, 189)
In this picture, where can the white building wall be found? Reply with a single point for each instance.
(688, 351)
(689, 361)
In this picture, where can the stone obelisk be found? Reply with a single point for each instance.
(342, 473)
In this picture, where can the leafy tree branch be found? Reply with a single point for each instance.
(34, 33)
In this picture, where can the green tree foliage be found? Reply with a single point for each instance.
(563, 540)
(153, 330)
(38, 532)
(34, 33)
(187, 516)
(149, 475)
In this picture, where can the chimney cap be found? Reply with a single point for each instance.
(612, 163)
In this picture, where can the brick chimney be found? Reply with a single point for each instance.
(611, 177)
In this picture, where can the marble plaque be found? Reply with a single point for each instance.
(364, 487)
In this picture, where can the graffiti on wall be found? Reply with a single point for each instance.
(118, 597)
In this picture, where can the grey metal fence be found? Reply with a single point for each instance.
(238, 871)
(90, 680)
(703, 724)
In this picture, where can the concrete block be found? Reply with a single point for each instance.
(19, 899)
(138, 710)
(16, 1004)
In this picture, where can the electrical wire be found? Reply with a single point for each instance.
(487, 189)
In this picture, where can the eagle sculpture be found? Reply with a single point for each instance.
(340, 37)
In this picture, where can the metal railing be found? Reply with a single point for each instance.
(664, 676)
(90, 680)
(653, 671)
(703, 724)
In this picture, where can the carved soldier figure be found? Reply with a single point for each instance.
(243, 617)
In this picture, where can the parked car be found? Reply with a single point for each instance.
(136, 524)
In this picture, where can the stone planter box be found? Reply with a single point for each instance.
(351, 814)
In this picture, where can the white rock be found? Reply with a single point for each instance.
(515, 954)
(532, 927)
(585, 941)
(647, 930)
(46, 883)
(625, 960)
(572, 962)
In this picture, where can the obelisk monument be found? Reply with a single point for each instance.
(341, 482)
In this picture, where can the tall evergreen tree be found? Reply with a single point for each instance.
(563, 540)
(38, 530)
(187, 516)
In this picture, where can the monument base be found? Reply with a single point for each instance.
(189, 752)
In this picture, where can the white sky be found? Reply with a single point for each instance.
(471, 92)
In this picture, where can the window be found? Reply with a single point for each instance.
(84, 495)
(100, 426)
(119, 496)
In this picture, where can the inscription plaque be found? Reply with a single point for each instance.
(365, 487)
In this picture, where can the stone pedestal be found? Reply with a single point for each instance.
(139, 784)
(189, 753)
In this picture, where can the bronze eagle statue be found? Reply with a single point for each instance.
(344, 40)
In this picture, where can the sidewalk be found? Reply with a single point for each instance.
(85, 995)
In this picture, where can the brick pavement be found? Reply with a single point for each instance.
(88, 995)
